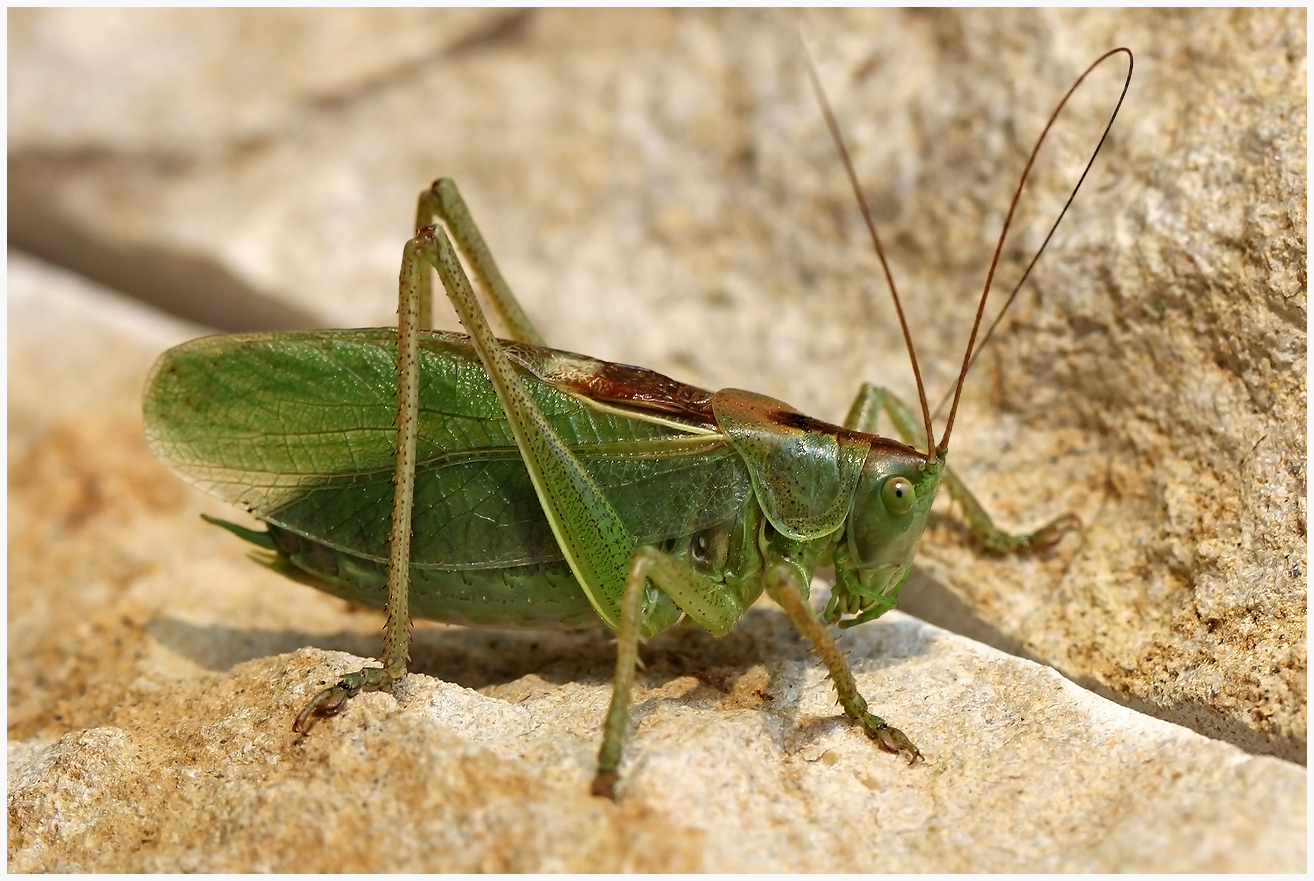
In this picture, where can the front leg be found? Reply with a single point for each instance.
(864, 415)
(785, 584)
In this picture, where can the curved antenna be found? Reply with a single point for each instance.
(875, 239)
(969, 355)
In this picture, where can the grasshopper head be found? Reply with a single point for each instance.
(893, 497)
(898, 484)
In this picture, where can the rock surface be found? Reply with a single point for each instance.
(154, 672)
(659, 189)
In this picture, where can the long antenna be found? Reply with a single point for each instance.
(969, 355)
(875, 239)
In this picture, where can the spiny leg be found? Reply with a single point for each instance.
(443, 202)
(863, 416)
(713, 605)
(397, 630)
(588, 530)
(785, 584)
(627, 658)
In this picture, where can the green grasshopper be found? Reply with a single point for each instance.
(502, 483)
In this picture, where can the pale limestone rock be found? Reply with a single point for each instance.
(150, 706)
(660, 190)
(1024, 771)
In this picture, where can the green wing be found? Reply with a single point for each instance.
(299, 429)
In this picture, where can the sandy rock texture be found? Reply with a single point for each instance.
(660, 190)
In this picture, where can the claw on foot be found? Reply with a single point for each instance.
(1049, 534)
(996, 541)
(330, 701)
(890, 739)
(604, 784)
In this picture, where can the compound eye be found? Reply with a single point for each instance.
(898, 495)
